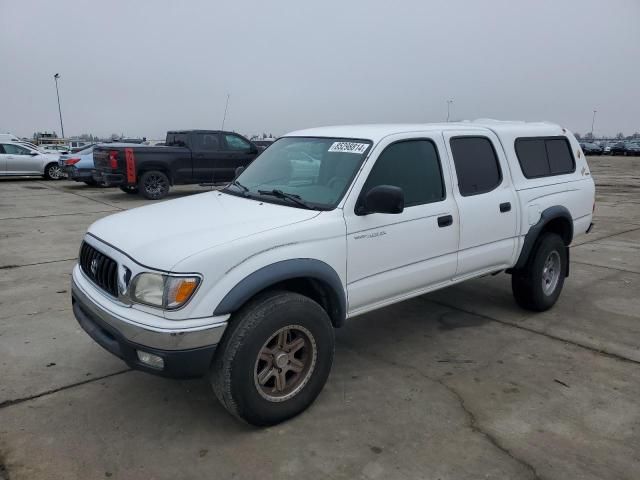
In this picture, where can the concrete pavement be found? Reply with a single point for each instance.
(457, 384)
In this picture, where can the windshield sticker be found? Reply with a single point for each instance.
(348, 147)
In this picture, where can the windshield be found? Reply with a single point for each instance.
(316, 171)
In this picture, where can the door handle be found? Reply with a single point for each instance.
(445, 221)
(505, 207)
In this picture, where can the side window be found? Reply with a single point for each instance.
(476, 164)
(544, 157)
(236, 143)
(15, 150)
(532, 155)
(560, 157)
(412, 165)
(208, 142)
(1, 149)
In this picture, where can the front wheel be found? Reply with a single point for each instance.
(537, 286)
(154, 185)
(274, 358)
(53, 171)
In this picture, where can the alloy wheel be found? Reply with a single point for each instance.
(285, 363)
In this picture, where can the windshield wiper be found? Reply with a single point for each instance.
(287, 196)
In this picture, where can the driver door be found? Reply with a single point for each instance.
(395, 256)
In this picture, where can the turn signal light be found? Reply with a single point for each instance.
(180, 289)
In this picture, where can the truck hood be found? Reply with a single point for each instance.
(161, 235)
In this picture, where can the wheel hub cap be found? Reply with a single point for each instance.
(551, 273)
(285, 363)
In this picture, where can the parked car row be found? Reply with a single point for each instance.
(612, 148)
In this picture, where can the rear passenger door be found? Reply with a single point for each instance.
(395, 256)
(486, 201)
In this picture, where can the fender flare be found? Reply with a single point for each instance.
(548, 214)
(286, 270)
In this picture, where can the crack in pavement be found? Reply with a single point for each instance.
(9, 403)
(472, 420)
(608, 236)
(83, 196)
(475, 426)
(618, 269)
(597, 351)
(10, 267)
(56, 215)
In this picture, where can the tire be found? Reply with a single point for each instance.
(153, 185)
(53, 171)
(91, 183)
(254, 330)
(538, 285)
(130, 189)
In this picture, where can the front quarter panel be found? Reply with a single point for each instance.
(321, 238)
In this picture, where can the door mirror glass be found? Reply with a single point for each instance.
(382, 199)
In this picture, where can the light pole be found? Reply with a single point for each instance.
(56, 77)
(449, 102)
(593, 121)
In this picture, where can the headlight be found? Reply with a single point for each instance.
(163, 291)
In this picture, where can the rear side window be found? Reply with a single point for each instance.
(208, 141)
(412, 165)
(476, 164)
(544, 156)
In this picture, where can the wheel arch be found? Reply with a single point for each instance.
(47, 165)
(556, 219)
(154, 166)
(310, 277)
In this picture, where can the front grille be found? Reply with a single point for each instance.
(104, 272)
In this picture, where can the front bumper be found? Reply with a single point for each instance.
(186, 353)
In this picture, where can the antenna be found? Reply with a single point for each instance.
(225, 111)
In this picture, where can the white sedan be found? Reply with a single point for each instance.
(18, 160)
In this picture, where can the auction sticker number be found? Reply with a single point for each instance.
(348, 147)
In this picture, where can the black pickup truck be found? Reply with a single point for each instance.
(188, 157)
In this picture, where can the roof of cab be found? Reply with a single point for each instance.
(376, 132)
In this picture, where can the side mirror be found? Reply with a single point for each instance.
(381, 199)
(33, 154)
(238, 172)
(254, 149)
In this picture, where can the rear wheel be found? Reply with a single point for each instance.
(154, 185)
(53, 171)
(130, 189)
(274, 359)
(538, 285)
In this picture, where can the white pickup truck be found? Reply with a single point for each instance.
(247, 284)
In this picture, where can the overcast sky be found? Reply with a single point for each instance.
(142, 67)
